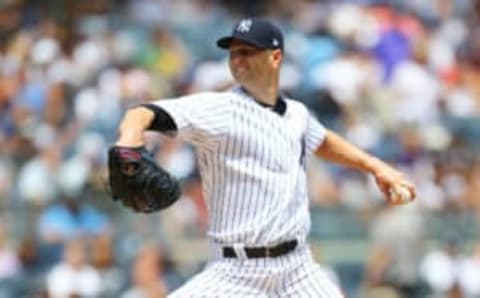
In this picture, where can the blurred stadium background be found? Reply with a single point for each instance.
(400, 79)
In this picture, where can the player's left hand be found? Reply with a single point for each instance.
(393, 184)
(138, 182)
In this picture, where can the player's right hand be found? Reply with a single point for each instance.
(395, 187)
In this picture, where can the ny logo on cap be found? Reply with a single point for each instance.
(244, 25)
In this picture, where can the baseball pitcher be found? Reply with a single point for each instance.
(251, 143)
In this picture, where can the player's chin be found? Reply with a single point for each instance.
(240, 75)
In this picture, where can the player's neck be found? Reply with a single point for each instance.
(264, 95)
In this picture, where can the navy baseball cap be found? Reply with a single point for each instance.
(257, 32)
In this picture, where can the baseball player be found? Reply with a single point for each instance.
(251, 144)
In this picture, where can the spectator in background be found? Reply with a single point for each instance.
(449, 272)
(177, 157)
(74, 276)
(6, 179)
(62, 221)
(59, 223)
(10, 264)
(148, 280)
(469, 275)
(104, 261)
(36, 178)
(397, 238)
(70, 218)
(78, 171)
(34, 268)
(189, 215)
(439, 268)
(8, 87)
(472, 191)
(415, 88)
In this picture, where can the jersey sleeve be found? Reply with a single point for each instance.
(201, 119)
(314, 135)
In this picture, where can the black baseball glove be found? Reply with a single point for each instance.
(138, 182)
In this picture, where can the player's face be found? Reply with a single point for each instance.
(249, 64)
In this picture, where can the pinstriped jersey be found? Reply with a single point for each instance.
(251, 161)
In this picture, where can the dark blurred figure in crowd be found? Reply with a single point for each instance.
(148, 279)
(398, 241)
(104, 260)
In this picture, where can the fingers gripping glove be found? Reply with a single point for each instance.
(138, 182)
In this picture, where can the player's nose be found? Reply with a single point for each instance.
(236, 60)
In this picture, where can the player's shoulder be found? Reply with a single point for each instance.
(205, 99)
(208, 95)
(295, 106)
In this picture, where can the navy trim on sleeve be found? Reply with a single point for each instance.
(162, 121)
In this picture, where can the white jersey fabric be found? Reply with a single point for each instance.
(251, 161)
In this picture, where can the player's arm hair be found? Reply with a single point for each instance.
(338, 150)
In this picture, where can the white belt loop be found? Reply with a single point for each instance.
(216, 250)
(301, 241)
(240, 251)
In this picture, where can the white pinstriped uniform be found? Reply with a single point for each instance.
(251, 161)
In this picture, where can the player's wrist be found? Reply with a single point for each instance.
(374, 166)
(130, 139)
(134, 123)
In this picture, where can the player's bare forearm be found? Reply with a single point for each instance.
(391, 182)
(337, 150)
(134, 123)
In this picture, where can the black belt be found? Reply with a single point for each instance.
(263, 252)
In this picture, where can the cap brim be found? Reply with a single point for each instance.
(225, 42)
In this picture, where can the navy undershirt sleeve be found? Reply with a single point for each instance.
(162, 121)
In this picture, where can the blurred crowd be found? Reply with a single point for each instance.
(400, 79)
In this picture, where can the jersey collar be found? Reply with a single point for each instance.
(280, 106)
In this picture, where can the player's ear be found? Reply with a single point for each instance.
(277, 57)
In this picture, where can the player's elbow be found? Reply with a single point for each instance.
(137, 116)
(324, 149)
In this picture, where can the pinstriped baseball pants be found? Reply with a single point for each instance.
(293, 275)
